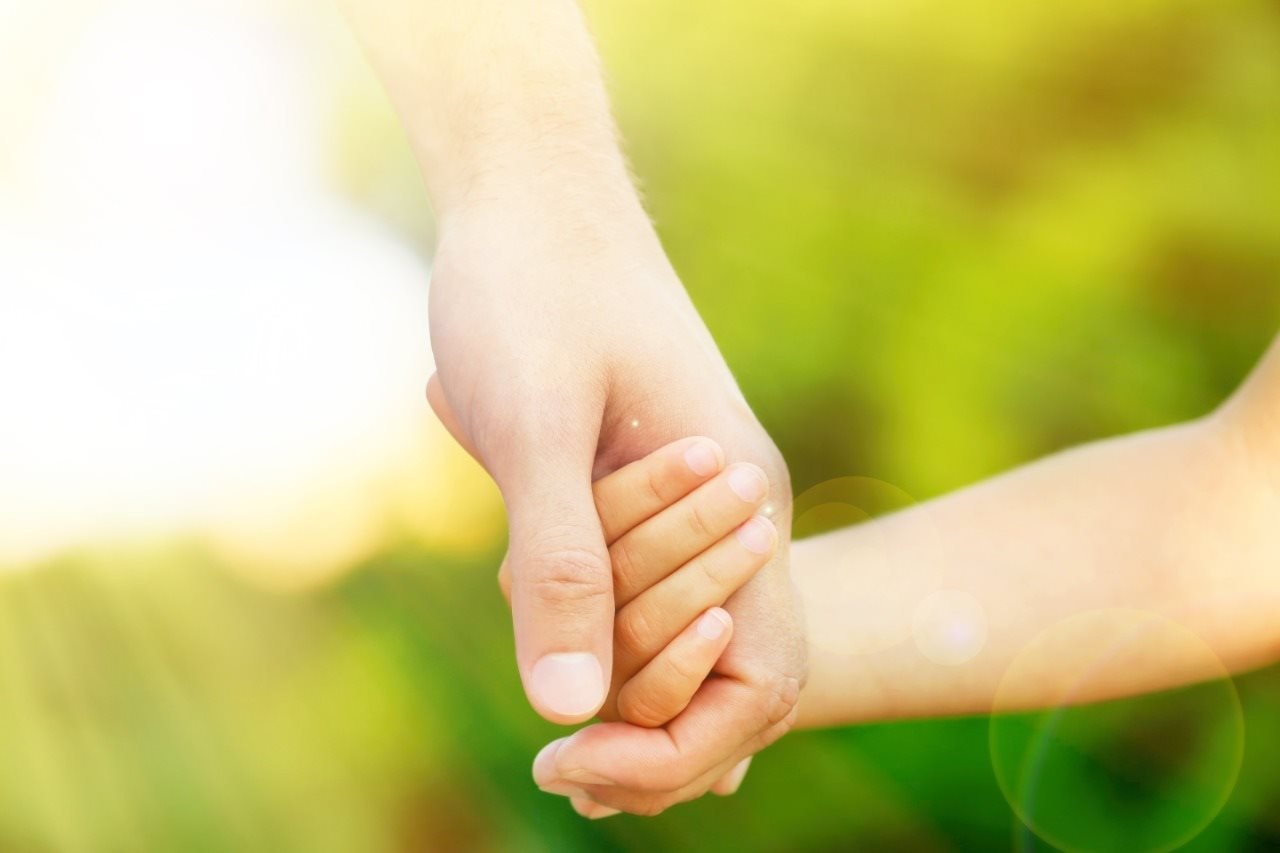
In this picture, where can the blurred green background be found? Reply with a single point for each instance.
(934, 241)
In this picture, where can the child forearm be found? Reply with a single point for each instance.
(1108, 548)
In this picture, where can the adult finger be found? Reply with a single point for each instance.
(591, 810)
(561, 583)
(725, 717)
(730, 782)
(617, 799)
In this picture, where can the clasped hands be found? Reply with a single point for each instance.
(649, 521)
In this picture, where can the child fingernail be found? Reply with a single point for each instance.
(713, 624)
(702, 459)
(757, 535)
(748, 483)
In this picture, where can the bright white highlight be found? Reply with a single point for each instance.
(195, 331)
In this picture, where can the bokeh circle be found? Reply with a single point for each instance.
(1138, 775)
(875, 563)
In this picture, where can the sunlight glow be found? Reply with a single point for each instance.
(196, 331)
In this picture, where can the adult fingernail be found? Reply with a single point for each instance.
(702, 459)
(732, 780)
(748, 483)
(563, 789)
(586, 777)
(757, 535)
(544, 763)
(567, 683)
(713, 623)
(592, 810)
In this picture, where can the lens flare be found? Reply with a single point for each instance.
(1144, 774)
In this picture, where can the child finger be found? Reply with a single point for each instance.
(645, 625)
(659, 546)
(647, 486)
(663, 689)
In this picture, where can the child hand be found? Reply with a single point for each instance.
(683, 534)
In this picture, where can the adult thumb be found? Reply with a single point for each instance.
(561, 580)
(556, 575)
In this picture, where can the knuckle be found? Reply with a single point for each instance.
(679, 670)
(713, 575)
(782, 694)
(653, 485)
(698, 523)
(622, 562)
(569, 575)
(632, 633)
(638, 711)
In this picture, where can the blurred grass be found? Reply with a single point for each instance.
(153, 701)
(934, 241)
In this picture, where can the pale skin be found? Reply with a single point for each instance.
(1125, 566)
(1122, 567)
(566, 347)
(685, 532)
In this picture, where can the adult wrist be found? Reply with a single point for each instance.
(539, 189)
(573, 226)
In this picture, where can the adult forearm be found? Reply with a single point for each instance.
(1118, 568)
(503, 102)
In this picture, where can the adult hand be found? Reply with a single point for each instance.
(564, 353)
(566, 347)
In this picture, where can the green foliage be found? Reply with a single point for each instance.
(153, 701)
(934, 240)
(937, 240)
